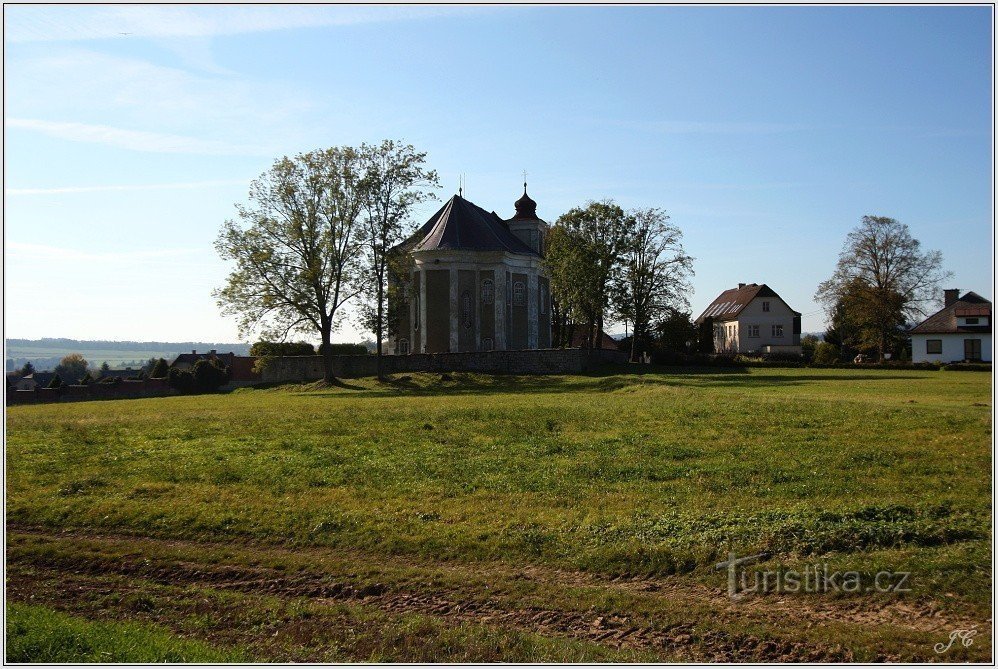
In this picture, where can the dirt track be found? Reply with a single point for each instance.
(79, 575)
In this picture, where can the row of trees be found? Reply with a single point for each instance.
(608, 263)
(316, 234)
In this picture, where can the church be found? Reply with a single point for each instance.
(476, 282)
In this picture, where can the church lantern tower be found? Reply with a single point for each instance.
(526, 225)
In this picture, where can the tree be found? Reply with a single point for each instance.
(56, 381)
(675, 332)
(297, 258)
(585, 259)
(826, 353)
(28, 369)
(655, 277)
(104, 369)
(705, 336)
(807, 345)
(160, 369)
(149, 365)
(71, 367)
(395, 181)
(884, 276)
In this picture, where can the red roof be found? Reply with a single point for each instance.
(944, 321)
(731, 302)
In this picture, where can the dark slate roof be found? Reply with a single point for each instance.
(944, 320)
(191, 358)
(731, 302)
(461, 224)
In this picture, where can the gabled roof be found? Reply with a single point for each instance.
(731, 302)
(463, 225)
(944, 320)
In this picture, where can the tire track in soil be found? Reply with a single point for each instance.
(611, 630)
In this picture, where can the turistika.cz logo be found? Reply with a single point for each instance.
(813, 579)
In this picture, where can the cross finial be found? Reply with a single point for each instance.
(524, 182)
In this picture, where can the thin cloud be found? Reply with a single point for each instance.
(130, 187)
(63, 23)
(133, 140)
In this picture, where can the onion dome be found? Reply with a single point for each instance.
(525, 206)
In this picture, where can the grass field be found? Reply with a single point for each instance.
(517, 518)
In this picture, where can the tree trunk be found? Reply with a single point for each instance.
(325, 349)
(379, 327)
(598, 334)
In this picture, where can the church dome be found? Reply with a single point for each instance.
(525, 206)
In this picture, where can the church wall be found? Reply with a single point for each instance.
(487, 312)
(544, 313)
(417, 287)
(467, 310)
(437, 324)
(518, 340)
(508, 308)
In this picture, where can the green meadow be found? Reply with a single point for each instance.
(647, 478)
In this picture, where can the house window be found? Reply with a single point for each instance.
(403, 347)
(777, 331)
(765, 306)
(973, 321)
(934, 346)
(971, 349)
(467, 315)
(519, 293)
(753, 331)
(488, 291)
(487, 344)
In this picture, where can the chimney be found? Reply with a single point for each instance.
(213, 351)
(950, 295)
(194, 351)
(740, 286)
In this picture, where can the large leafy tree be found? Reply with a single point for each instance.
(296, 247)
(72, 367)
(654, 280)
(584, 259)
(396, 180)
(883, 278)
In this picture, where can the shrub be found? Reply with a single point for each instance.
(782, 356)
(346, 349)
(266, 348)
(209, 375)
(826, 354)
(160, 370)
(180, 379)
(56, 382)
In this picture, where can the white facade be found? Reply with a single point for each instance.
(764, 322)
(951, 347)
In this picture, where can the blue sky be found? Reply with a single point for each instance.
(766, 133)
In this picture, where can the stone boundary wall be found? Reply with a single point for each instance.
(539, 361)
(124, 389)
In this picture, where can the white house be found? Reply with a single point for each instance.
(26, 383)
(961, 330)
(752, 318)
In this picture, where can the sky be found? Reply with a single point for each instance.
(766, 133)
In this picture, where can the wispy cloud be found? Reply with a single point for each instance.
(133, 140)
(125, 187)
(62, 22)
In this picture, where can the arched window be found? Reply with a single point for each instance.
(487, 344)
(488, 292)
(403, 347)
(519, 294)
(544, 301)
(467, 310)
